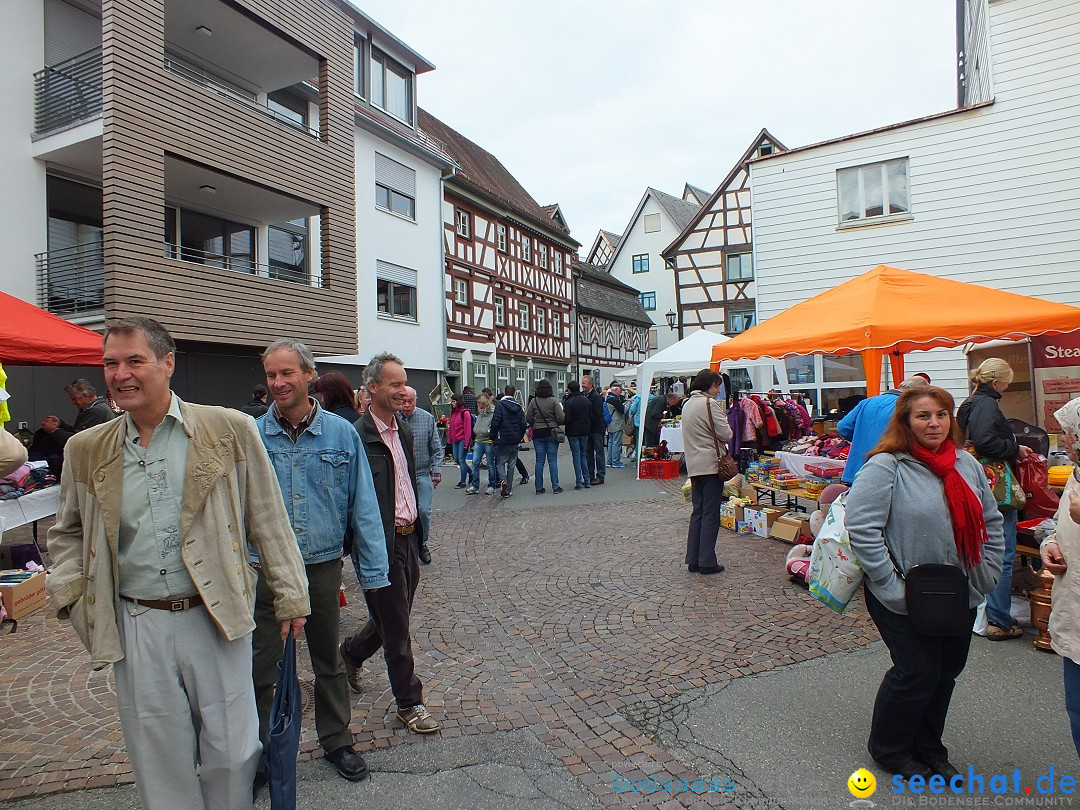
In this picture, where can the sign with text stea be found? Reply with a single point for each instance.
(1055, 361)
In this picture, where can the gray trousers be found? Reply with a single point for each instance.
(186, 702)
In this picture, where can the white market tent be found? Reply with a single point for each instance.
(689, 356)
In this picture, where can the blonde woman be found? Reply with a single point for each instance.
(483, 448)
(984, 425)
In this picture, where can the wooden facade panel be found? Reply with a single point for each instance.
(149, 113)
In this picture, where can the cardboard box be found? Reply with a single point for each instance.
(730, 516)
(762, 520)
(25, 597)
(790, 526)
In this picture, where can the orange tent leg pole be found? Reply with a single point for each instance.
(872, 366)
(896, 365)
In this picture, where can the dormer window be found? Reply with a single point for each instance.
(391, 86)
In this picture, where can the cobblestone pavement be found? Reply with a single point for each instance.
(569, 616)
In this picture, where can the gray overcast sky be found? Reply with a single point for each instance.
(587, 103)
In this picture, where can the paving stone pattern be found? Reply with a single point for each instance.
(575, 621)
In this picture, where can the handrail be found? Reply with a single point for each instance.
(241, 265)
(68, 93)
(71, 281)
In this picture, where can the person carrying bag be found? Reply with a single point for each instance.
(926, 529)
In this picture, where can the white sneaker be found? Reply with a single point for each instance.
(471, 491)
(489, 491)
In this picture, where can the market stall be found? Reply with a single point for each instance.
(890, 312)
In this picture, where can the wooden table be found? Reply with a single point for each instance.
(792, 496)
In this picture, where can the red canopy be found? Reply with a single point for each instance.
(33, 337)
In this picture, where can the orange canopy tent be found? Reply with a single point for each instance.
(892, 311)
(33, 337)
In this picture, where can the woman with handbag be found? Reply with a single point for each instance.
(545, 415)
(705, 433)
(920, 506)
(459, 433)
(1056, 552)
(984, 425)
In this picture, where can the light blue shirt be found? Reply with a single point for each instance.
(149, 561)
(863, 427)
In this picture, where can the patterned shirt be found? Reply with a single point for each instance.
(404, 497)
(427, 446)
(295, 432)
(148, 560)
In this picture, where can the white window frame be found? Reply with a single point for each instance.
(734, 312)
(503, 374)
(538, 374)
(560, 377)
(480, 370)
(463, 221)
(556, 323)
(500, 310)
(541, 257)
(745, 260)
(461, 292)
(500, 237)
(556, 259)
(520, 375)
(639, 260)
(540, 317)
(526, 249)
(523, 317)
(395, 277)
(861, 175)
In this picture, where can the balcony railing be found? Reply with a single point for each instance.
(219, 86)
(68, 93)
(71, 281)
(243, 264)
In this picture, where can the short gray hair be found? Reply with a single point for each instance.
(373, 370)
(913, 382)
(81, 387)
(157, 336)
(307, 359)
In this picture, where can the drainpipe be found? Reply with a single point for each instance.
(443, 177)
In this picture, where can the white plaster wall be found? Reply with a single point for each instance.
(659, 278)
(416, 245)
(23, 212)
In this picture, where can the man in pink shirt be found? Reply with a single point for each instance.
(388, 443)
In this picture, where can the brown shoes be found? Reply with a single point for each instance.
(351, 673)
(995, 633)
(418, 719)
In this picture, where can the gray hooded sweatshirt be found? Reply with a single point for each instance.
(899, 500)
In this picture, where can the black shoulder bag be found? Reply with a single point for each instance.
(937, 598)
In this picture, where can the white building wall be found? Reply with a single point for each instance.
(995, 192)
(23, 211)
(659, 278)
(382, 236)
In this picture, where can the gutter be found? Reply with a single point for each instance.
(443, 177)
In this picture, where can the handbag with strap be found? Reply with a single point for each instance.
(936, 595)
(283, 737)
(1004, 483)
(557, 432)
(726, 466)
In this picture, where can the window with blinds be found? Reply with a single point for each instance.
(396, 291)
(395, 187)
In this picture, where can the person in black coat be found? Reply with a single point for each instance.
(508, 428)
(578, 413)
(597, 453)
(664, 407)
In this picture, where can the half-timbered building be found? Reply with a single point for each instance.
(712, 256)
(603, 248)
(612, 327)
(508, 274)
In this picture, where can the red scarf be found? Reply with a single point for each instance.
(965, 508)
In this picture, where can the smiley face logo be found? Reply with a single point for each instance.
(862, 783)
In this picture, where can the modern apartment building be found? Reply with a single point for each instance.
(214, 164)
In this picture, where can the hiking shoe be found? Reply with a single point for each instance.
(352, 673)
(418, 719)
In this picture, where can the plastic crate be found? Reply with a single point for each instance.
(668, 468)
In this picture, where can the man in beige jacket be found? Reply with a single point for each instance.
(150, 565)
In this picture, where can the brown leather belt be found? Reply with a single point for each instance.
(405, 530)
(172, 605)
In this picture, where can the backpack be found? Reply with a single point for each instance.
(607, 413)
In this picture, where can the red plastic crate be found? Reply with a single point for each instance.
(668, 468)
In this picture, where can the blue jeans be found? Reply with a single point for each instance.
(506, 456)
(579, 447)
(999, 600)
(546, 450)
(459, 459)
(614, 448)
(1072, 699)
(481, 451)
(425, 493)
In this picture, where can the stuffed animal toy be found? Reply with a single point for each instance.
(828, 495)
(817, 520)
(797, 564)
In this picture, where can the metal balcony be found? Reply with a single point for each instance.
(71, 281)
(68, 93)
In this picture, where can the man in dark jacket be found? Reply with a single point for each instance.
(388, 443)
(93, 410)
(257, 407)
(578, 413)
(508, 428)
(668, 404)
(597, 452)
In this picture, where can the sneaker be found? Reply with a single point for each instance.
(556, 490)
(618, 465)
(541, 491)
(524, 479)
(352, 674)
(577, 486)
(418, 719)
(489, 491)
(425, 555)
(507, 493)
(459, 485)
(471, 491)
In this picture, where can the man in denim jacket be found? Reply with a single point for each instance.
(326, 482)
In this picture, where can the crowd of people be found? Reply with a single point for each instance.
(191, 540)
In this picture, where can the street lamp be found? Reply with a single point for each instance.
(671, 316)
